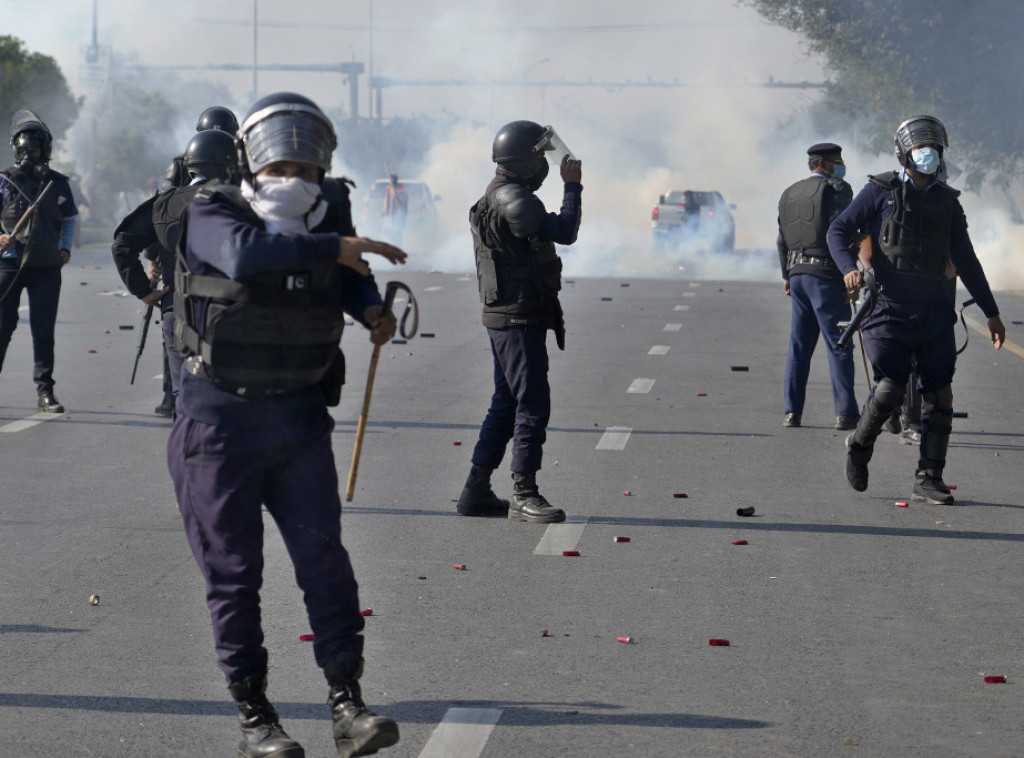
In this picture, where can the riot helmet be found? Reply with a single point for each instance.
(31, 140)
(917, 131)
(211, 154)
(285, 126)
(217, 117)
(519, 148)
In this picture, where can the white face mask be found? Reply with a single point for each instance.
(288, 205)
(926, 159)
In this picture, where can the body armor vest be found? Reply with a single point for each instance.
(510, 269)
(803, 223)
(43, 235)
(915, 238)
(268, 335)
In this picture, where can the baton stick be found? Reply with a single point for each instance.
(389, 299)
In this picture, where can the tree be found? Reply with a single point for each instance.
(34, 81)
(892, 59)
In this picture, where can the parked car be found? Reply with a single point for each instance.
(709, 222)
(421, 213)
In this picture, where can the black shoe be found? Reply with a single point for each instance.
(262, 735)
(357, 729)
(791, 419)
(478, 499)
(930, 489)
(910, 437)
(48, 403)
(845, 423)
(857, 464)
(527, 502)
(166, 407)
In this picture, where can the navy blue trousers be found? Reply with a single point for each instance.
(172, 358)
(43, 287)
(897, 334)
(818, 306)
(222, 476)
(521, 404)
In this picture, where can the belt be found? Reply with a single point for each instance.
(796, 258)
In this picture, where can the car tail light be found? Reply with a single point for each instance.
(711, 213)
(654, 214)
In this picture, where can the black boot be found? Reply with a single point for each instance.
(884, 401)
(929, 488)
(48, 403)
(357, 729)
(166, 407)
(528, 504)
(857, 458)
(477, 498)
(263, 736)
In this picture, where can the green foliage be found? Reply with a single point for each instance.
(891, 59)
(34, 81)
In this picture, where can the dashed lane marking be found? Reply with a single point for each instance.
(689, 294)
(640, 386)
(462, 733)
(614, 438)
(681, 308)
(561, 537)
(28, 423)
(432, 289)
(694, 284)
(672, 327)
(659, 350)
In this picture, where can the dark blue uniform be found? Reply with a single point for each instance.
(230, 454)
(521, 404)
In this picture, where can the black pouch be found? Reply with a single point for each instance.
(333, 380)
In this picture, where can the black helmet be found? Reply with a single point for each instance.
(212, 155)
(217, 117)
(519, 148)
(919, 130)
(286, 127)
(30, 139)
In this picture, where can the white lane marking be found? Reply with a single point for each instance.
(694, 284)
(432, 289)
(33, 420)
(681, 308)
(466, 278)
(614, 438)
(561, 537)
(672, 327)
(689, 294)
(659, 350)
(462, 733)
(640, 386)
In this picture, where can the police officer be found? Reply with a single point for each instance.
(814, 284)
(33, 261)
(155, 228)
(214, 117)
(917, 227)
(259, 301)
(519, 276)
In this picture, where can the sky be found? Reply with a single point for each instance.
(721, 129)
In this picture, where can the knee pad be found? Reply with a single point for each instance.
(941, 400)
(889, 395)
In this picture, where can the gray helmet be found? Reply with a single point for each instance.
(212, 155)
(919, 130)
(286, 127)
(217, 117)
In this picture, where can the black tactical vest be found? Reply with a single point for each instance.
(915, 238)
(43, 247)
(802, 216)
(268, 335)
(511, 271)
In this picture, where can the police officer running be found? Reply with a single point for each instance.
(33, 261)
(814, 284)
(917, 226)
(259, 302)
(519, 276)
(155, 228)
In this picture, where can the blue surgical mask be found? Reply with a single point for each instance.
(926, 159)
(838, 171)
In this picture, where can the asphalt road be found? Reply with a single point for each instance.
(857, 628)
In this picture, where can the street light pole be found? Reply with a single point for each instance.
(526, 84)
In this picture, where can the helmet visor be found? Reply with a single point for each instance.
(921, 130)
(553, 145)
(288, 132)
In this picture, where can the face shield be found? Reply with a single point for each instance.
(553, 146)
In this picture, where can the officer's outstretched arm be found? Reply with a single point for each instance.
(350, 248)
